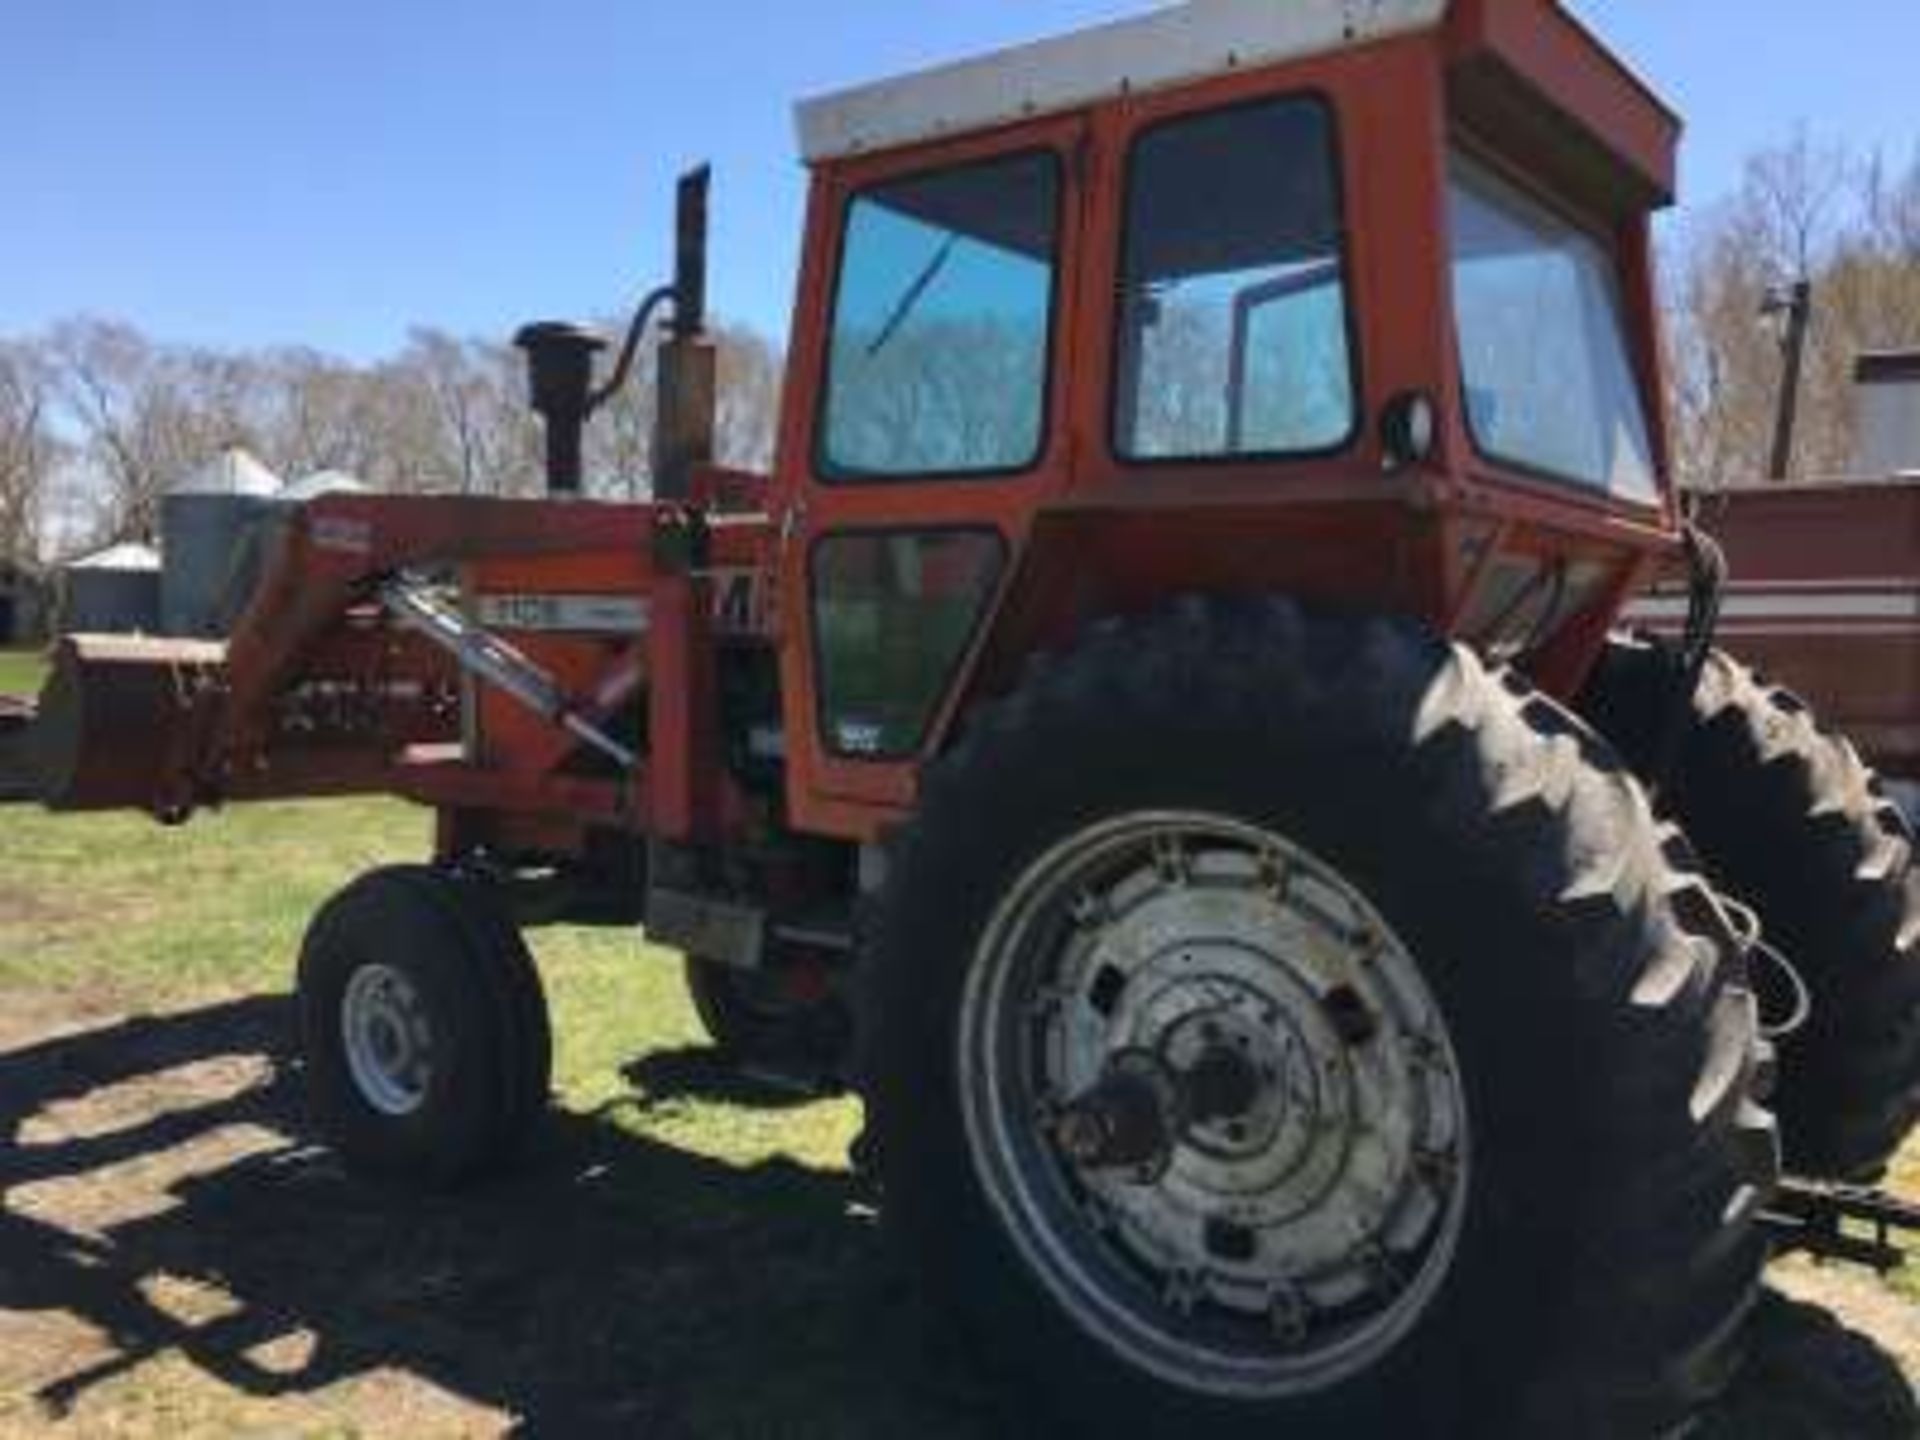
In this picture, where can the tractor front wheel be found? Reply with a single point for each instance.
(1280, 1025)
(423, 1027)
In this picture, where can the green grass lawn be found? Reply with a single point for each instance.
(21, 672)
(672, 1224)
(688, 1179)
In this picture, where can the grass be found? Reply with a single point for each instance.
(21, 672)
(673, 1224)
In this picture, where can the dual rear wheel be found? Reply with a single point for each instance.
(1789, 821)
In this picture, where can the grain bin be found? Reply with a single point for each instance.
(210, 525)
(112, 591)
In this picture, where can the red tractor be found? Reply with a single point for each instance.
(1157, 734)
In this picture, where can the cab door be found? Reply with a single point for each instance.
(925, 422)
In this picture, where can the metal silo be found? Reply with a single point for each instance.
(211, 527)
(114, 591)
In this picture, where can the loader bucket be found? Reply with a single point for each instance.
(106, 731)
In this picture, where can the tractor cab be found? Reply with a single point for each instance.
(1351, 302)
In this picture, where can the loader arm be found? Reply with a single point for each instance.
(353, 671)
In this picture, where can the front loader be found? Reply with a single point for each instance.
(1158, 734)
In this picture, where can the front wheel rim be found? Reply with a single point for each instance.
(388, 1040)
(1277, 1229)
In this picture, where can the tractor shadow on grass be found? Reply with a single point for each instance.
(614, 1285)
(703, 1072)
(155, 1196)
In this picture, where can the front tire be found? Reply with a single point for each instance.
(423, 1027)
(1789, 821)
(1538, 1209)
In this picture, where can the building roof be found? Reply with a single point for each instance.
(119, 557)
(234, 471)
(1164, 47)
(324, 482)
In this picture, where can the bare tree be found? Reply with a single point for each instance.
(1804, 212)
(320, 414)
(482, 438)
(749, 381)
(29, 453)
(447, 414)
(147, 415)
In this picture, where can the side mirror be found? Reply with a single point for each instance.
(1409, 429)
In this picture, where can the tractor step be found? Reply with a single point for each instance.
(1839, 1222)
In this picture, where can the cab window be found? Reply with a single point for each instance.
(1550, 385)
(937, 361)
(1233, 334)
(893, 614)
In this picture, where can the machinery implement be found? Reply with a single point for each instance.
(1157, 734)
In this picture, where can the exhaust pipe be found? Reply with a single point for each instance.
(687, 399)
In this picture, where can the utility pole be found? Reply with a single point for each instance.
(1796, 303)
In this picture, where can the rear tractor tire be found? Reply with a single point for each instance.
(1284, 1026)
(423, 1027)
(1789, 821)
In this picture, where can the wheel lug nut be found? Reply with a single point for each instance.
(1353, 1019)
(1229, 1240)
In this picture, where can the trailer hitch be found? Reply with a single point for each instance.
(1840, 1222)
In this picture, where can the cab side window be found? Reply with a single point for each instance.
(1233, 308)
(937, 362)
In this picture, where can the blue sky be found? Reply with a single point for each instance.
(331, 171)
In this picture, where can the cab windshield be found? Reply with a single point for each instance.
(1550, 385)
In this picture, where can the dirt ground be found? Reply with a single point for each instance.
(175, 1261)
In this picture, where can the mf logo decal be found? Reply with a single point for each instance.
(739, 602)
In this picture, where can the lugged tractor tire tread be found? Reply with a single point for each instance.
(1658, 1275)
(1790, 820)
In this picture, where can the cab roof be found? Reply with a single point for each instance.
(1170, 46)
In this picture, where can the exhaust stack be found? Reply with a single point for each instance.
(687, 397)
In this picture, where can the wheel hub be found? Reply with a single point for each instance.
(1250, 1162)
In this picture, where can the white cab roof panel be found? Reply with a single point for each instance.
(1169, 46)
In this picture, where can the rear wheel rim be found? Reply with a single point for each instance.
(388, 1039)
(1273, 1247)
